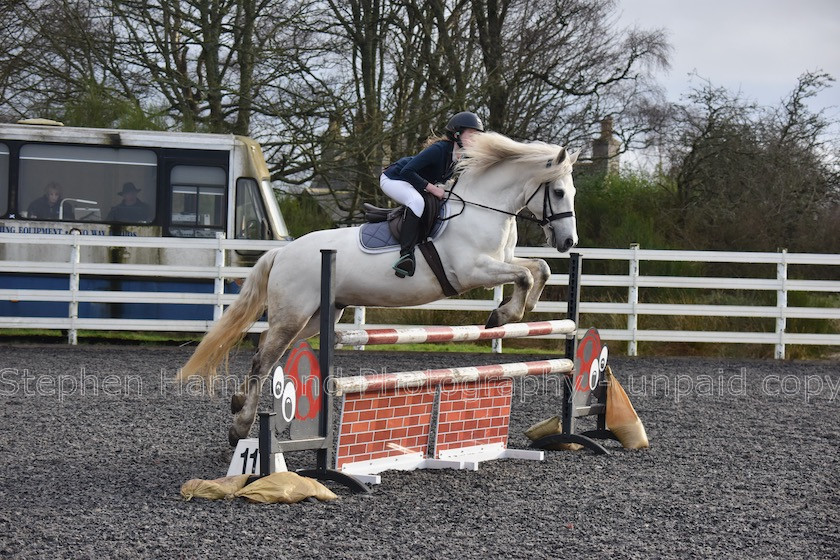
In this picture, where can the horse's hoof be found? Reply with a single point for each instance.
(233, 437)
(493, 320)
(237, 401)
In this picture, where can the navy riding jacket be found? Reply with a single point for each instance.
(432, 165)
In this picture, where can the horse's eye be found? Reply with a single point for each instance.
(560, 194)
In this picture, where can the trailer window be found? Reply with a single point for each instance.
(251, 218)
(4, 179)
(91, 184)
(198, 200)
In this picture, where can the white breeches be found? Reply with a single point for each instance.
(404, 193)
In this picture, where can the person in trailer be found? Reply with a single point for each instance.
(48, 206)
(407, 178)
(131, 209)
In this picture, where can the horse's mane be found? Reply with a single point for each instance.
(490, 148)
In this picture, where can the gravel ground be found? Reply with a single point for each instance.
(743, 463)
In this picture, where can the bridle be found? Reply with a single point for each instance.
(548, 215)
(548, 212)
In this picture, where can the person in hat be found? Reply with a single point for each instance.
(131, 209)
(405, 179)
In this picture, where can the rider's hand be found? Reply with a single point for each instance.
(435, 190)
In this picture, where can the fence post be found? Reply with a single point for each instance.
(633, 299)
(325, 356)
(572, 313)
(75, 259)
(498, 293)
(359, 316)
(218, 282)
(781, 304)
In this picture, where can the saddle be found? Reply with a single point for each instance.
(430, 224)
(395, 216)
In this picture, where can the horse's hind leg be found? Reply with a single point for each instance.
(274, 343)
(244, 403)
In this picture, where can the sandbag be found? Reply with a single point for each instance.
(285, 488)
(543, 428)
(218, 489)
(322, 493)
(621, 417)
(549, 427)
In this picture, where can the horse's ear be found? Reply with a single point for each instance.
(573, 157)
(560, 156)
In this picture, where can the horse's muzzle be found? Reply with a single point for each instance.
(567, 244)
(563, 243)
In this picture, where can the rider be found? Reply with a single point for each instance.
(408, 177)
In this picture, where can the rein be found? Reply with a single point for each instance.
(548, 215)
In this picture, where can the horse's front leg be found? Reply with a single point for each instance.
(541, 272)
(491, 272)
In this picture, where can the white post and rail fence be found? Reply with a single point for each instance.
(809, 274)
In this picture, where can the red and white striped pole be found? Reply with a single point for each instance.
(452, 334)
(469, 374)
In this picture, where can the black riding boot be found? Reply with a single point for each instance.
(408, 239)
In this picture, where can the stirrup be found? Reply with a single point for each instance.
(404, 266)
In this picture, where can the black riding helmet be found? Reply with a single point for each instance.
(461, 121)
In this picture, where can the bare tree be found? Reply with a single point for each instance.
(752, 177)
(15, 36)
(535, 70)
(554, 70)
(54, 70)
(332, 89)
(208, 61)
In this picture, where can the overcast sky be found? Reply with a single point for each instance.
(757, 47)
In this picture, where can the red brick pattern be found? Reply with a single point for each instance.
(473, 414)
(381, 424)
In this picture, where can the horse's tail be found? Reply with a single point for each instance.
(230, 329)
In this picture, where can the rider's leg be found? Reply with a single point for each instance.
(406, 264)
(405, 194)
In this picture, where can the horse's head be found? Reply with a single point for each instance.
(543, 173)
(552, 201)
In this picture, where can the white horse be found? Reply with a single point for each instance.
(498, 178)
